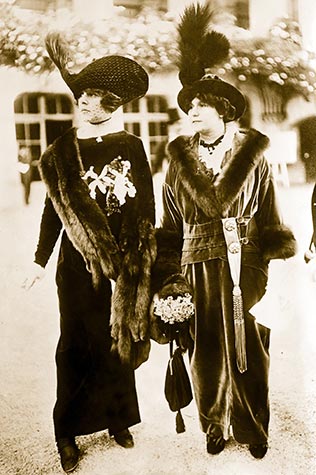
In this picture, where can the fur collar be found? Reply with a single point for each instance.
(215, 196)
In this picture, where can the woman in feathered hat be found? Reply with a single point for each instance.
(220, 205)
(99, 190)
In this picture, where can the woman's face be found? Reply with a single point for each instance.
(204, 118)
(91, 109)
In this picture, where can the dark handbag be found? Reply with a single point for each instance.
(178, 390)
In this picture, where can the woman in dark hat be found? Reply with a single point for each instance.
(99, 191)
(220, 205)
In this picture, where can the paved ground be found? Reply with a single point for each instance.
(28, 336)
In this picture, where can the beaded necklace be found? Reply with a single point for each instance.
(211, 146)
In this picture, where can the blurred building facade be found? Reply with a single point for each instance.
(37, 108)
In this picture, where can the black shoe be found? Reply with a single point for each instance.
(69, 454)
(258, 451)
(124, 438)
(214, 444)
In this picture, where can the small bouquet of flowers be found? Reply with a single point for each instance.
(174, 310)
(172, 315)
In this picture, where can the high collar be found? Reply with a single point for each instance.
(215, 196)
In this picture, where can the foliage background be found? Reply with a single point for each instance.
(277, 61)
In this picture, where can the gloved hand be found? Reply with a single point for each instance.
(35, 274)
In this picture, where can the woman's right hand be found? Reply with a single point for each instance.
(35, 274)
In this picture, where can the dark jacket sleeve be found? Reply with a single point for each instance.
(49, 231)
(142, 180)
(168, 278)
(276, 239)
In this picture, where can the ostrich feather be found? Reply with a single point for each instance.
(58, 51)
(198, 47)
(214, 49)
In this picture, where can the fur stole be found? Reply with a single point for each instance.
(128, 261)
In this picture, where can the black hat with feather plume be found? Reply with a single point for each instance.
(200, 50)
(117, 74)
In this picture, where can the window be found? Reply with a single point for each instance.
(39, 119)
(238, 8)
(43, 5)
(134, 6)
(147, 118)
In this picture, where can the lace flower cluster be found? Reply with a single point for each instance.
(114, 182)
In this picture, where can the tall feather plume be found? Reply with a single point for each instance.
(198, 47)
(58, 51)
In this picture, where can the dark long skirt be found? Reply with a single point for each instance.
(224, 396)
(94, 390)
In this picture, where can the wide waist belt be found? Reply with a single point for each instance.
(202, 242)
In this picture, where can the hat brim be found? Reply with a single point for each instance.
(218, 88)
(117, 74)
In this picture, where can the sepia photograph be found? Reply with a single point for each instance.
(158, 237)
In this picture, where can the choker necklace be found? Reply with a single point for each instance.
(99, 138)
(211, 146)
(99, 123)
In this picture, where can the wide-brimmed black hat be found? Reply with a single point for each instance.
(215, 85)
(201, 49)
(117, 74)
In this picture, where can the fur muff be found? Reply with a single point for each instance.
(168, 261)
(128, 261)
(277, 242)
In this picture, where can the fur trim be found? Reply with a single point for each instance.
(215, 197)
(247, 152)
(131, 298)
(277, 242)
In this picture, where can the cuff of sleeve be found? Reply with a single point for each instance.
(41, 260)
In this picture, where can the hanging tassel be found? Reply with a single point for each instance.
(240, 331)
(180, 427)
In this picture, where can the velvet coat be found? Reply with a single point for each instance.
(194, 202)
(104, 332)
